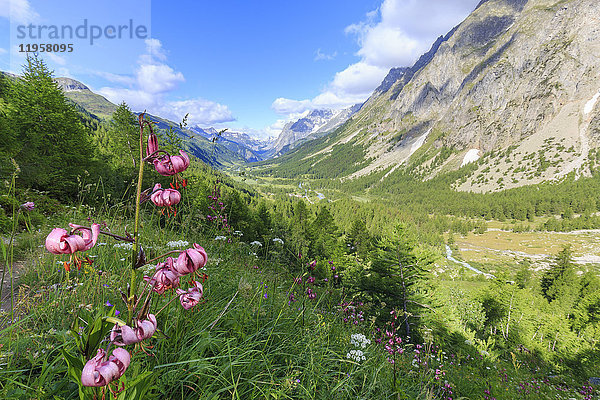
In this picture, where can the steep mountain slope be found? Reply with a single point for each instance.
(315, 124)
(249, 148)
(212, 153)
(514, 88)
(222, 154)
(90, 101)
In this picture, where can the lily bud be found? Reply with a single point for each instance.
(152, 145)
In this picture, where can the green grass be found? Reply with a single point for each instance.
(239, 343)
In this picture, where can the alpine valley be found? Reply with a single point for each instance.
(439, 240)
(512, 90)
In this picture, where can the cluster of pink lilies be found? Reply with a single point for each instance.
(103, 369)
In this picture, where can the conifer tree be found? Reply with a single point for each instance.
(560, 284)
(396, 277)
(323, 234)
(358, 240)
(8, 144)
(53, 146)
(123, 136)
(299, 228)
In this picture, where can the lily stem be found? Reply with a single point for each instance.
(118, 237)
(170, 301)
(136, 242)
(162, 255)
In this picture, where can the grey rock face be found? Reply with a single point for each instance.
(314, 123)
(514, 73)
(70, 85)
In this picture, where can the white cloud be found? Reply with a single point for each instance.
(155, 50)
(18, 11)
(137, 99)
(394, 35)
(275, 129)
(55, 58)
(152, 81)
(388, 46)
(157, 78)
(287, 106)
(319, 55)
(201, 112)
(3, 51)
(115, 78)
(357, 79)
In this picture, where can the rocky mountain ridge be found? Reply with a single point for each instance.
(510, 89)
(312, 125)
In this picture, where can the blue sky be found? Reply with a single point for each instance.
(245, 65)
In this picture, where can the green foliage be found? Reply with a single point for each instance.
(120, 141)
(358, 239)
(53, 147)
(560, 284)
(251, 340)
(395, 279)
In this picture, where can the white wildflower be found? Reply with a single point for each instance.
(277, 240)
(127, 246)
(356, 355)
(256, 243)
(221, 238)
(238, 233)
(359, 340)
(177, 243)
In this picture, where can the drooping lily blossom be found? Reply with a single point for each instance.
(168, 165)
(164, 278)
(152, 145)
(190, 260)
(189, 298)
(60, 241)
(165, 197)
(100, 372)
(124, 335)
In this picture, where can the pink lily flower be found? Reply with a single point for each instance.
(170, 165)
(164, 278)
(124, 335)
(165, 197)
(191, 297)
(152, 145)
(190, 260)
(100, 372)
(59, 241)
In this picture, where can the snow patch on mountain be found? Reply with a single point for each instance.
(417, 145)
(589, 106)
(471, 156)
